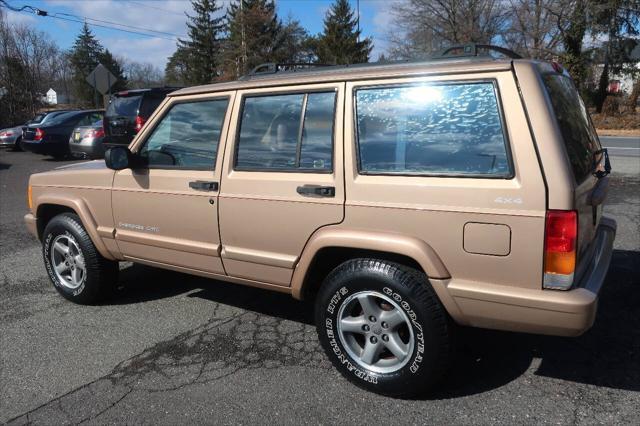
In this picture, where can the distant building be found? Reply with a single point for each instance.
(52, 97)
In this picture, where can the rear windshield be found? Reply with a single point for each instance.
(579, 136)
(124, 106)
(60, 118)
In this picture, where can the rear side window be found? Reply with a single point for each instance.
(126, 106)
(187, 137)
(292, 132)
(572, 116)
(432, 129)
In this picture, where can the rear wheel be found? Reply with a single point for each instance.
(75, 267)
(383, 327)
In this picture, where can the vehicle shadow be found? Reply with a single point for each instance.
(4, 166)
(607, 355)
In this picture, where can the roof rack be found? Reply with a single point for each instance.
(273, 67)
(471, 49)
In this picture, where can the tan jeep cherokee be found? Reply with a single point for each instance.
(402, 198)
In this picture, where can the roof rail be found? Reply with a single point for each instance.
(274, 67)
(471, 49)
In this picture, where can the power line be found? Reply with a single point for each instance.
(155, 7)
(84, 19)
(116, 23)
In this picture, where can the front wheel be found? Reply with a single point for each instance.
(383, 327)
(76, 268)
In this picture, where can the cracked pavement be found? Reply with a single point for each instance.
(175, 349)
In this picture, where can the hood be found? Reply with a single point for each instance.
(85, 165)
(88, 174)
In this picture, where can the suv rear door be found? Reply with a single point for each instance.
(119, 120)
(283, 178)
(582, 145)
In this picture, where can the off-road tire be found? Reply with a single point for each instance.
(411, 290)
(101, 275)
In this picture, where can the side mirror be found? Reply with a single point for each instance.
(117, 158)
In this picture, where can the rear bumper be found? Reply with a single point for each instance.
(94, 151)
(45, 148)
(562, 313)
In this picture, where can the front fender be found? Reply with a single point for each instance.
(79, 206)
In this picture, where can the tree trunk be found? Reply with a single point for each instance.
(635, 94)
(603, 85)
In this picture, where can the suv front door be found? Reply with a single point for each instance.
(166, 211)
(283, 179)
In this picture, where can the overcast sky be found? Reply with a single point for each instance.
(167, 19)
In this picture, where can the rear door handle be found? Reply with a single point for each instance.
(203, 185)
(317, 191)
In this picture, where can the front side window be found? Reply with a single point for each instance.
(292, 132)
(431, 129)
(187, 137)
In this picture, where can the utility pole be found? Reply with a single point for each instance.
(358, 17)
(243, 44)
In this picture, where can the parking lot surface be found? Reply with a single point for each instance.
(174, 349)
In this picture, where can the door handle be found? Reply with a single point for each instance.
(317, 191)
(203, 185)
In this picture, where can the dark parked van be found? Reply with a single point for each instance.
(129, 110)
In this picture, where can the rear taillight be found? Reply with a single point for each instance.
(6, 134)
(97, 133)
(139, 123)
(39, 135)
(560, 244)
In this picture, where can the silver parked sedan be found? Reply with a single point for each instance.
(86, 141)
(11, 137)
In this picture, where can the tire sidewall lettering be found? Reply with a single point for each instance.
(415, 364)
(332, 333)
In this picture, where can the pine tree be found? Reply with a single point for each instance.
(200, 54)
(339, 44)
(175, 72)
(254, 35)
(85, 56)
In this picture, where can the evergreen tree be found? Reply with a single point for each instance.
(175, 72)
(201, 53)
(339, 44)
(85, 56)
(254, 35)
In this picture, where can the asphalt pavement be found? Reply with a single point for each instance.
(623, 146)
(176, 349)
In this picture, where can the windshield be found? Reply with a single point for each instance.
(580, 138)
(124, 106)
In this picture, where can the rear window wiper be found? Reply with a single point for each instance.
(598, 171)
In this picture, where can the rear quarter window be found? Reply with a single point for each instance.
(579, 136)
(452, 129)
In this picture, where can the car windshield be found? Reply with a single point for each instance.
(97, 123)
(124, 106)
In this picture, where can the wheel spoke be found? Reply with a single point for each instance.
(369, 306)
(396, 346)
(370, 353)
(393, 318)
(61, 267)
(76, 276)
(61, 248)
(79, 261)
(353, 324)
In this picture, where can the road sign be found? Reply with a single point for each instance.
(101, 79)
